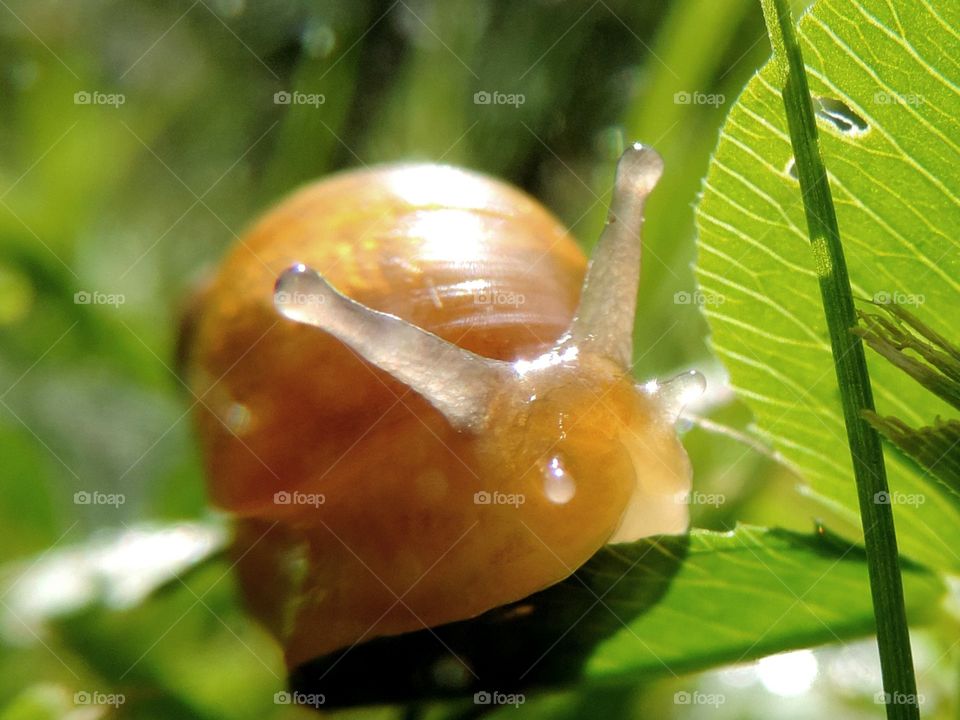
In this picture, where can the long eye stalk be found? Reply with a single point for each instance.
(605, 317)
(455, 381)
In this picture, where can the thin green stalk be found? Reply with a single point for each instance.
(856, 395)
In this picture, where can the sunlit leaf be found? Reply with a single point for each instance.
(886, 87)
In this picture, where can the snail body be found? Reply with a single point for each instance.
(431, 412)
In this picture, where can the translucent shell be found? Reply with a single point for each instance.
(428, 418)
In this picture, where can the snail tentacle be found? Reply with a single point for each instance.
(455, 381)
(605, 316)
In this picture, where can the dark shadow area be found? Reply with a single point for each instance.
(544, 639)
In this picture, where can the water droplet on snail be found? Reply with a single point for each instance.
(558, 484)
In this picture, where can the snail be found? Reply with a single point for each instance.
(416, 400)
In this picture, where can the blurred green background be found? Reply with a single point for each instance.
(139, 138)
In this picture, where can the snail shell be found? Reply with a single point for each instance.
(432, 413)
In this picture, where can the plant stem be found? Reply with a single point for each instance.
(850, 362)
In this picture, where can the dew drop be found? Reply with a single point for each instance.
(558, 484)
(840, 116)
(318, 40)
(237, 418)
(677, 392)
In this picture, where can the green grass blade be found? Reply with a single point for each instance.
(851, 367)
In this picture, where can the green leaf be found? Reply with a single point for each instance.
(149, 614)
(657, 607)
(890, 135)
